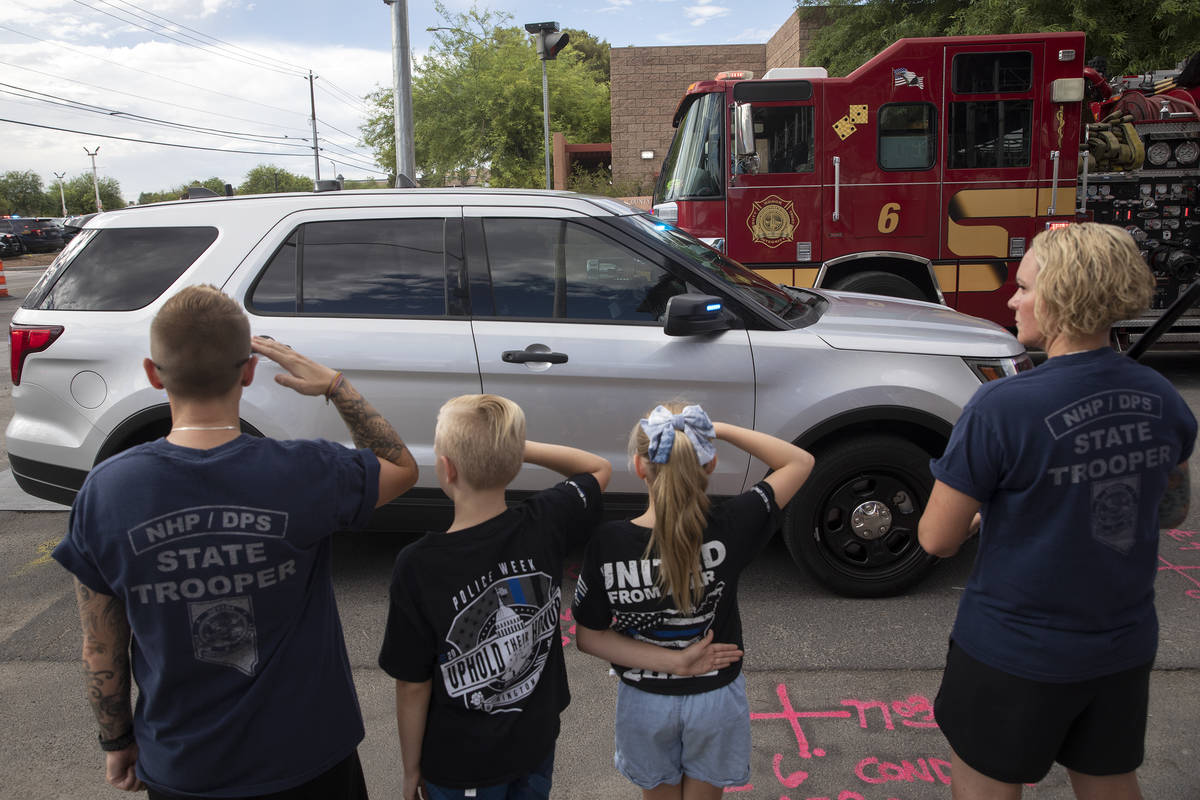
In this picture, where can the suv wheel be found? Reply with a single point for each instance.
(854, 524)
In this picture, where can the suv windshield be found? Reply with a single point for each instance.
(693, 166)
(791, 304)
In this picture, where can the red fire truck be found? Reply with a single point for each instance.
(926, 172)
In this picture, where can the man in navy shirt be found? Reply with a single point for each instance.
(1074, 467)
(202, 570)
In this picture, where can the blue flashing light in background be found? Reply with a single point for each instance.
(713, 307)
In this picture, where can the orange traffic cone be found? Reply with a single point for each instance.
(3, 284)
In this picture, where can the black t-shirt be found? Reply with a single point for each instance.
(617, 588)
(476, 611)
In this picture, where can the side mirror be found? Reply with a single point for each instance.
(743, 130)
(690, 314)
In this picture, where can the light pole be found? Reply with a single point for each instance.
(61, 194)
(549, 41)
(95, 179)
(406, 159)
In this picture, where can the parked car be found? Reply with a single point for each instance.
(34, 235)
(10, 245)
(584, 310)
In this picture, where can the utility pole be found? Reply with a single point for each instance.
(406, 160)
(312, 100)
(95, 178)
(62, 195)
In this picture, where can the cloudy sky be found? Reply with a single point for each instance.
(232, 75)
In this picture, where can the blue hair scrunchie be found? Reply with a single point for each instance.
(661, 425)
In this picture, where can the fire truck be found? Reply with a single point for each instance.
(925, 173)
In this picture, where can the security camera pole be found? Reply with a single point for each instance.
(549, 41)
(406, 159)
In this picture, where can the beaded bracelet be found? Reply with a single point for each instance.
(333, 386)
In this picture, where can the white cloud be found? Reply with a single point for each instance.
(705, 12)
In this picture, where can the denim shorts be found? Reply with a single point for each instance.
(660, 738)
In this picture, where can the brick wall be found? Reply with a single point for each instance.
(648, 82)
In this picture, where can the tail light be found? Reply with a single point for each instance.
(26, 339)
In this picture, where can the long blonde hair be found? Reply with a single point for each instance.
(677, 491)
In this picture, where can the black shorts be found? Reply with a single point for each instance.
(342, 781)
(1013, 729)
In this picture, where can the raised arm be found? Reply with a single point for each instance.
(106, 673)
(790, 465)
(568, 461)
(1176, 500)
(397, 469)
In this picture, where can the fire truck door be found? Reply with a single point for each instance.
(882, 165)
(998, 168)
(775, 194)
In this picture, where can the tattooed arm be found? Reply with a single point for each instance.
(1173, 508)
(397, 468)
(106, 672)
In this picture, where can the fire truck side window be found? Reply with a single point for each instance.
(907, 136)
(992, 73)
(694, 166)
(992, 133)
(783, 137)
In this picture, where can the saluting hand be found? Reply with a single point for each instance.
(306, 376)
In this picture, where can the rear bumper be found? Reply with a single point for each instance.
(47, 481)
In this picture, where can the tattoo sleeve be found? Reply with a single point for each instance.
(1173, 508)
(106, 671)
(368, 427)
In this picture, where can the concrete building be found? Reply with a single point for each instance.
(647, 83)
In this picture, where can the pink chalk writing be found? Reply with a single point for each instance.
(872, 770)
(793, 717)
(917, 711)
(1184, 571)
(566, 624)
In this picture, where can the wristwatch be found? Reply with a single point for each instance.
(119, 743)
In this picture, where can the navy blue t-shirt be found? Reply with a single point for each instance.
(222, 558)
(1069, 461)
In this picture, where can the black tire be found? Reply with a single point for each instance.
(882, 283)
(848, 475)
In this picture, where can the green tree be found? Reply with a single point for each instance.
(1135, 36)
(21, 193)
(81, 194)
(592, 51)
(214, 184)
(477, 104)
(268, 178)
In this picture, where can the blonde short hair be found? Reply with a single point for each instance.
(484, 436)
(199, 341)
(1090, 275)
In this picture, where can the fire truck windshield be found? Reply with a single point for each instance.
(693, 167)
(797, 306)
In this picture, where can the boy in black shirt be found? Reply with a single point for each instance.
(472, 633)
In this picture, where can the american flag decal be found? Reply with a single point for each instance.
(902, 77)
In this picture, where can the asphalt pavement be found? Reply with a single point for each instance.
(840, 689)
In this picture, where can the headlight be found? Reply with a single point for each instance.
(989, 369)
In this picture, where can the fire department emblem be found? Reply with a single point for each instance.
(773, 221)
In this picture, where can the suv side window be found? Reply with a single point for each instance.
(121, 269)
(559, 269)
(365, 267)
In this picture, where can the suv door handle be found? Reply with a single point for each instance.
(526, 356)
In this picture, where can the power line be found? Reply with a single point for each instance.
(339, 130)
(140, 97)
(151, 141)
(358, 108)
(144, 72)
(76, 105)
(240, 59)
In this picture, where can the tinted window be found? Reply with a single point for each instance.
(907, 136)
(990, 134)
(370, 267)
(120, 269)
(783, 139)
(556, 269)
(694, 167)
(991, 73)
